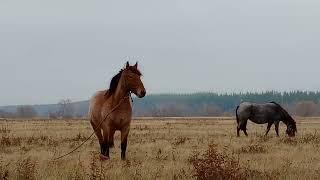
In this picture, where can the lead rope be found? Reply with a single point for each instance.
(112, 110)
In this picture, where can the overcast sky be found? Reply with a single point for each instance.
(57, 49)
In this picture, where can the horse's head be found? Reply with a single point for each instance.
(291, 129)
(132, 77)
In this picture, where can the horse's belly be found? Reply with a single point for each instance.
(259, 120)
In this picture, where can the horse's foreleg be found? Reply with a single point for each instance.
(111, 138)
(268, 128)
(98, 133)
(276, 124)
(245, 132)
(124, 141)
(105, 145)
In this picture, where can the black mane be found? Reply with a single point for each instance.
(114, 82)
(286, 115)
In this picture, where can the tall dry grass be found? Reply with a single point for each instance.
(159, 149)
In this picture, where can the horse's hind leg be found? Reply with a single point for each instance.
(238, 131)
(124, 141)
(243, 126)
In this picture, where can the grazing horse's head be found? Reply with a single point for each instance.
(132, 79)
(291, 129)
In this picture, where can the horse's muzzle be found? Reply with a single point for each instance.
(142, 94)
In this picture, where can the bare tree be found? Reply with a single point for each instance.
(26, 111)
(66, 109)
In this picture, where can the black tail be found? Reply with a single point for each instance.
(237, 115)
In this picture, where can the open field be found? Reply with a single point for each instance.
(157, 149)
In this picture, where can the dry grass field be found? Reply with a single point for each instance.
(159, 149)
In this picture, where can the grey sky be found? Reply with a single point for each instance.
(70, 48)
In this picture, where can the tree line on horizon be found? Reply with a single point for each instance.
(300, 103)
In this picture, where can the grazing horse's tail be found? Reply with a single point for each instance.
(237, 116)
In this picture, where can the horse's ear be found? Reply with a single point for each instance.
(127, 64)
(136, 65)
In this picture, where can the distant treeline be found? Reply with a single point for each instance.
(214, 104)
(301, 103)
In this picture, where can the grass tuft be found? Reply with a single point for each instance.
(252, 148)
(26, 169)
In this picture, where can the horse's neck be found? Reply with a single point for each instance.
(121, 92)
(287, 120)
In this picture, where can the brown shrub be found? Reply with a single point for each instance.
(215, 165)
(26, 169)
(95, 169)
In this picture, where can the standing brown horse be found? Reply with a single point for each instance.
(111, 110)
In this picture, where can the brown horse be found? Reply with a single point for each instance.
(111, 110)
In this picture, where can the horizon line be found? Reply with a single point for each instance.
(186, 94)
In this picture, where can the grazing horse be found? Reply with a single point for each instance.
(271, 113)
(111, 110)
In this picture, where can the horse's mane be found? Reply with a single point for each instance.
(114, 83)
(286, 115)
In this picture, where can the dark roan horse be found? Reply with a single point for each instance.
(268, 113)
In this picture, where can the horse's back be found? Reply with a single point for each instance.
(258, 113)
(245, 106)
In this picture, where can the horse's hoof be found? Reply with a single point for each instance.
(104, 158)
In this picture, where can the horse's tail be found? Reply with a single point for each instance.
(237, 116)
